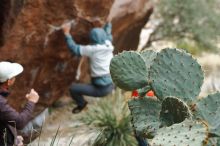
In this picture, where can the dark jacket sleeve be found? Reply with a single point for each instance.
(12, 117)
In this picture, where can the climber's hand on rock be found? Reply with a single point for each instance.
(108, 20)
(33, 96)
(66, 28)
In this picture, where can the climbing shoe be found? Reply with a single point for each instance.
(78, 109)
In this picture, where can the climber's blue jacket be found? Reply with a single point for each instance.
(96, 35)
(100, 53)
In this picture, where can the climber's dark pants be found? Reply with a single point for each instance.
(78, 90)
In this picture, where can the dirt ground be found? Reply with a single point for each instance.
(70, 129)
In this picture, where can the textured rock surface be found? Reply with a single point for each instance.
(49, 67)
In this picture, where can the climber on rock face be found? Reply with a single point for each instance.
(100, 53)
(10, 119)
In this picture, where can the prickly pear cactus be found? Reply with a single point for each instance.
(145, 113)
(214, 142)
(208, 109)
(148, 56)
(187, 133)
(128, 70)
(175, 73)
(176, 78)
(143, 91)
(174, 111)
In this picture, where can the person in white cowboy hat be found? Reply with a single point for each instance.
(10, 119)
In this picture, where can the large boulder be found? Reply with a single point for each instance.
(27, 37)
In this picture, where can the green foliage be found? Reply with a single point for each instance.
(145, 115)
(148, 56)
(130, 71)
(213, 142)
(111, 118)
(187, 133)
(143, 91)
(190, 46)
(173, 111)
(175, 73)
(124, 68)
(193, 19)
(208, 109)
(176, 79)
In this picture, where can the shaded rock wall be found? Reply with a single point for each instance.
(8, 12)
(25, 37)
(129, 17)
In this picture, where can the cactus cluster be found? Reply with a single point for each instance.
(176, 117)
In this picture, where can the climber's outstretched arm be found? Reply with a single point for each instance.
(74, 48)
(108, 29)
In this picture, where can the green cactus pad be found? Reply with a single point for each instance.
(214, 141)
(208, 109)
(145, 115)
(175, 73)
(128, 70)
(143, 91)
(148, 56)
(187, 133)
(174, 111)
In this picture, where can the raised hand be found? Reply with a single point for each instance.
(32, 96)
(66, 28)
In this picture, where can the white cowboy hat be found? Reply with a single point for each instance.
(9, 70)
